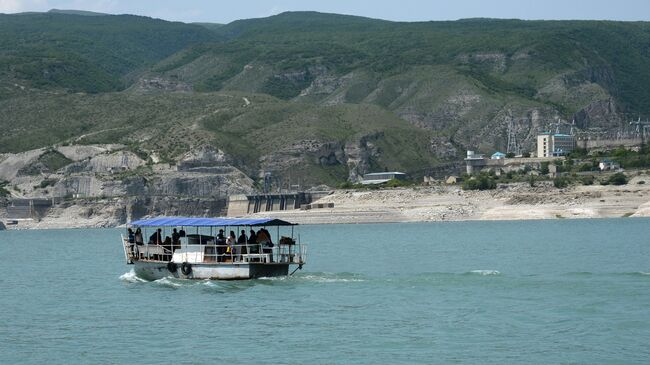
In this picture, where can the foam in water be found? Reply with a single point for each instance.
(320, 278)
(131, 277)
(485, 272)
(168, 281)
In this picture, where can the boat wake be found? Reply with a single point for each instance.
(484, 272)
(320, 277)
(132, 277)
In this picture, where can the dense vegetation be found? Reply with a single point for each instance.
(87, 53)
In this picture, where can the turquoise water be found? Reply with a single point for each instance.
(539, 292)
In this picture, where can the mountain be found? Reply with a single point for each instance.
(79, 53)
(313, 97)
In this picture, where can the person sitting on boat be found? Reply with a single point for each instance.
(138, 237)
(181, 233)
(167, 245)
(156, 238)
(131, 236)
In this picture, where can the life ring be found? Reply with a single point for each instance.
(172, 267)
(186, 268)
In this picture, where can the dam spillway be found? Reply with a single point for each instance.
(239, 205)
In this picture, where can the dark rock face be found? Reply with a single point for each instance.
(443, 148)
(359, 155)
(137, 208)
(598, 114)
(160, 84)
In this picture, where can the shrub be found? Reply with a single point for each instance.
(544, 168)
(346, 185)
(618, 178)
(560, 182)
(482, 182)
(3, 191)
(587, 180)
(47, 182)
(394, 183)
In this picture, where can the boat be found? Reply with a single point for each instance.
(198, 249)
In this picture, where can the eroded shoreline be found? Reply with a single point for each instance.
(426, 204)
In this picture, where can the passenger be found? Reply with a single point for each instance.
(231, 241)
(264, 239)
(252, 242)
(138, 237)
(167, 245)
(176, 239)
(156, 238)
(131, 239)
(241, 241)
(181, 233)
(220, 238)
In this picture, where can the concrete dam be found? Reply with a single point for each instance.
(239, 205)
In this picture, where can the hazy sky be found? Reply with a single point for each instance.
(219, 11)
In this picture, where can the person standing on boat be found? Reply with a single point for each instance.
(138, 237)
(231, 241)
(220, 238)
(241, 242)
(176, 239)
(252, 240)
(131, 239)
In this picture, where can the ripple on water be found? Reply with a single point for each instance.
(485, 272)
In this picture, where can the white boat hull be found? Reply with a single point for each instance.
(152, 270)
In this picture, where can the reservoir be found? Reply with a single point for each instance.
(554, 291)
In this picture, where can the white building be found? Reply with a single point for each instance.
(382, 177)
(553, 145)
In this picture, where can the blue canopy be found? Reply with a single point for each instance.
(207, 222)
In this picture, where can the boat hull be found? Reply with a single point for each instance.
(154, 270)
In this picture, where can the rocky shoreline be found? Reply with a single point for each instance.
(418, 204)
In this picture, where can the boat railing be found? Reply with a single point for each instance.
(294, 253)
(243, 253)
(147, 252)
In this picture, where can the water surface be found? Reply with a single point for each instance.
(541, 292)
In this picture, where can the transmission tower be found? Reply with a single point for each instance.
(513, 147)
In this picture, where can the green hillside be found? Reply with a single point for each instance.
(86, 53)
(320, 96)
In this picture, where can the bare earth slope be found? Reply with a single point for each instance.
(514, 202)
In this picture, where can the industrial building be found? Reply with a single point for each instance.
(555, 144)
(382, 177)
